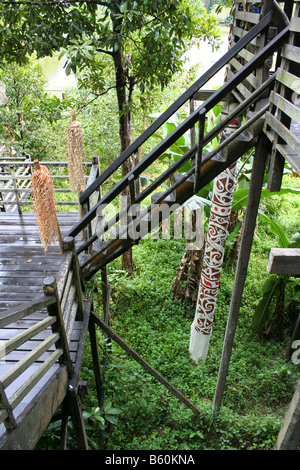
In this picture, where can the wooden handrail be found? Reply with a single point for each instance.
(17, 313)
(189, 122)
(188, 94)
(188, 155)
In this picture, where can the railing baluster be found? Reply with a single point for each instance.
(199, 149)
(131, 189)
(14, 180)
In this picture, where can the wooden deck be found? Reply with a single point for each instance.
(23, 262)
(23, 267)
(43, 329)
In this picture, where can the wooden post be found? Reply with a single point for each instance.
(9, 422)
(95, 357)
(69, 245)
(77, 418)
(192, 130)
(131, 189)
(50, 288)
(289, 435)
(72, 404)
(106, 319)
(258, 171)
(64, 425)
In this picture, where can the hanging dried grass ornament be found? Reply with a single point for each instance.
(75, 147)
(44, 206)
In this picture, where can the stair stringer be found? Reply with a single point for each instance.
(209, 170)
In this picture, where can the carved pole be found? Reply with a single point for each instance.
(201, 327)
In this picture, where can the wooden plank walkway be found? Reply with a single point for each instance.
(23, 262)
(23, 267)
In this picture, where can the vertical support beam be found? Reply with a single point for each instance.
(95, 357)
(192, 130)
(289, 435)
(137, 158)
(131, 189)
(77, 418)
(258, 171)
(87, 231)
(64, 425)
(73, 401)
(106, 320)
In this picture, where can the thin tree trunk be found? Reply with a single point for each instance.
(125, 133)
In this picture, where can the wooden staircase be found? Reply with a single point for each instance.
(251, 86)
(204, 167)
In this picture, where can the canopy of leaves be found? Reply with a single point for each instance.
(150, 36)
(22, 89)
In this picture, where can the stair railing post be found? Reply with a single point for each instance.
(9, 421)
(50, 288)
(198, 161)
(69, 245)
(258, 171)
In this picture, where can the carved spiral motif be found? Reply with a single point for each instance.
(214, 250)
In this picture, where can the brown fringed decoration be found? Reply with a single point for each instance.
(75, 146)
(44, 206)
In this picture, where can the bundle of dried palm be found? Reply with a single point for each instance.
(75, 147)
(44, 206)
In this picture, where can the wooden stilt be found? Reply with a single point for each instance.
(77, 418)
(95, 357)
(64, 425)
(289, 435)
(242, 264)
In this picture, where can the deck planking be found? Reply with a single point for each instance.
(23, 267)
(23, 261)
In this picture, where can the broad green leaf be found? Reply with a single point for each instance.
(284, 242)
(240, 196)
(261, 314)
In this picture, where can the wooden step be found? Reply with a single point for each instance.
(178, 177)
(171, 198)
(286, 151)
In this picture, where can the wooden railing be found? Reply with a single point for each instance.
(184, 98)
(200, 162)
(15, 184)
(60, 353)
(64, 302)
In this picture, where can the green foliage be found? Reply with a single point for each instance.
(151, 36)
(260, 382)
(29, 115)
(183, 144)
(23, 87)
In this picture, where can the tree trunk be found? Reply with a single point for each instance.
(125, 133)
